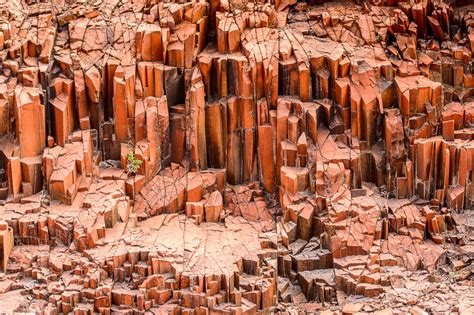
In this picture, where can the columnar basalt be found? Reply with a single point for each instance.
(236, 157)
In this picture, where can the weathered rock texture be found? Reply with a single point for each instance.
(236, 157)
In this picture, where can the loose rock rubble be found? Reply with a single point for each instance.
(236, 157)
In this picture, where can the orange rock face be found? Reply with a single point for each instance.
(236, 157)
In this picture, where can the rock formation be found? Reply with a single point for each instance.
(236, 157)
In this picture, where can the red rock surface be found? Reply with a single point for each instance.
(236, 157)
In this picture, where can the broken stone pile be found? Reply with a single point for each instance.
(236, 157)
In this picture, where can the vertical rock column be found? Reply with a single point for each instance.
(30, 117)
(196, 141)
(92, 79)
(62, 102)
(234, 143)
(6, 244)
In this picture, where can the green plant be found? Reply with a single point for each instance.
(133, 164)
(378, 38)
